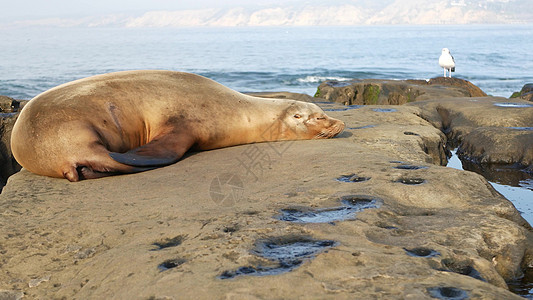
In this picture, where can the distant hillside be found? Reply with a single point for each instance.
(313, 13)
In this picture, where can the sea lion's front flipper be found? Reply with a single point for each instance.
(133, 158)
(163, 151)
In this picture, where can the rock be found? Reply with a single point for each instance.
(9, 110)
(9, 105)
(8, 164)
(526, 93)
(395, 92)
(431, 231)
(488, 130)
(11, 295)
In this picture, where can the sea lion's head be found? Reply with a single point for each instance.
(304, 121)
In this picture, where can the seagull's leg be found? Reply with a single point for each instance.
(444, 71)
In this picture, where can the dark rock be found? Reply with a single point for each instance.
(486, 131)
(395, 92)
(525, 93)
(498, 145)
(8, 164)
(9, 105)
(9, 108)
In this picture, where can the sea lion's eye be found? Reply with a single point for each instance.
(297, 116)
(321, 118)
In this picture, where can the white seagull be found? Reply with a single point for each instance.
(447, 62)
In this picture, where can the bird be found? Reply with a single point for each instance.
(447, 62)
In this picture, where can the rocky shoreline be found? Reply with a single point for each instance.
(370, 214)
(9, 109)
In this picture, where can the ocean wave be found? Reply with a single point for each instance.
(319, 79)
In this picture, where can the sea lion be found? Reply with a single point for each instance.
(132, 121)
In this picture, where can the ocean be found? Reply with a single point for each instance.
(497, 58)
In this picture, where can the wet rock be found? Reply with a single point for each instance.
(422, 252)
(488, 130)
(411, 181)
(395, 92)
(461, 267)
(10, 105)
(171, 264)
(447, 293)
(169, 242)
(9, 109)
(498, 145)
(352, 178)
(8, 164)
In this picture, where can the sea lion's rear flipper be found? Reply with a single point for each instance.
(87, 173)
(159, 152)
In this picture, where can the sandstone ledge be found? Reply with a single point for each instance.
(96, 238)
(488, 130)
(395, 92)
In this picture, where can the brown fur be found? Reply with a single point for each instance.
(147, 119)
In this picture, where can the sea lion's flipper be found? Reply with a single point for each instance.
(87, 173)
(159, 152)
(132, 158)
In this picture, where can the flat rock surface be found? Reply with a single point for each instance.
(489, 130)
(223, 224)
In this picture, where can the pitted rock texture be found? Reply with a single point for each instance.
(96, 238)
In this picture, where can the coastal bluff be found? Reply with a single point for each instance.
(372, 213)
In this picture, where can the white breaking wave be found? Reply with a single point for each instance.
(315, 79)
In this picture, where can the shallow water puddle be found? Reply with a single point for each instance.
(517, 187)
(361, 127)
(347, 107)
(422, 252)
(514, 184)
(411, 181)
(350, 205)
(513, 104)
(352, 178)
(522, 128)
(284, 253)
(410, 167)
(171, 264)
(385, 110)
(447, 293)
